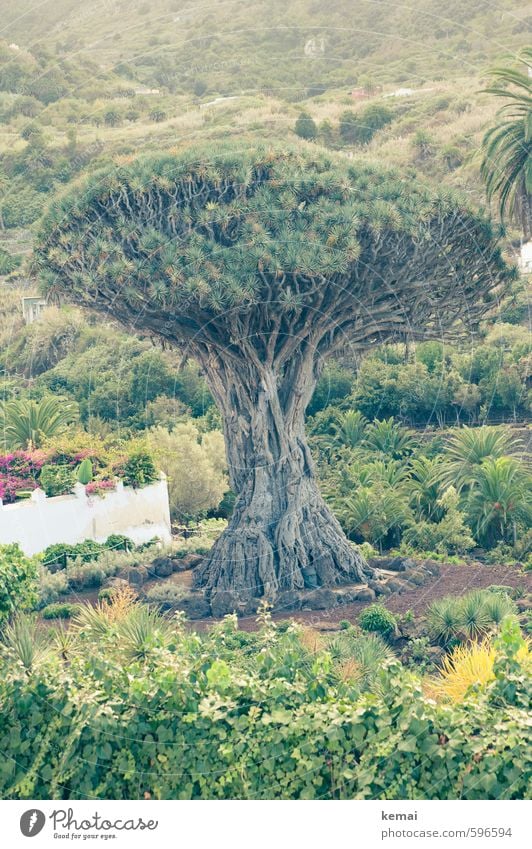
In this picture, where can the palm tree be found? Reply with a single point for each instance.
(388, 438)
(26, 424)
(349, 429)
(507, 162)
(424, 488)
(500, 497)
(468, 447)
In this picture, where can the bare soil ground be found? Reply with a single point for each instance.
(453, 580)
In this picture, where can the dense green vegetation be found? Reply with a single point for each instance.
(283, 713)
(421, 449)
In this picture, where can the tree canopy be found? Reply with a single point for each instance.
(271, 245)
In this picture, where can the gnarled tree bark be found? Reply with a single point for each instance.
(281, 536)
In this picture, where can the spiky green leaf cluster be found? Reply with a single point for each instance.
(176, 241)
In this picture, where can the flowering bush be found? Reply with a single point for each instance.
(19, 471)
(100, 487)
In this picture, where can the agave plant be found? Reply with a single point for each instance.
(507, 146)
(26, 424)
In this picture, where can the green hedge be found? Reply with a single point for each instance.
(184, 723)
(18, 581)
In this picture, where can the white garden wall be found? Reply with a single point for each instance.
(40, 521)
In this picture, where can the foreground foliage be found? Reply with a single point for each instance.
(127, 704)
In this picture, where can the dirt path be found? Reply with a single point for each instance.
(453, 580)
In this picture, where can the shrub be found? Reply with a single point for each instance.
(146, 705)
(52, 585)
(84, 576)
(57, 480)
(107, 594)
(195, 467)
(305, 126)
(465, 667)
(165, 594)
(61, 610)
(450, 535)
(100, 487)
(18, 581)
(471, 666)
(377, 618)
(139, 469)
(58, 554)
(119, 542)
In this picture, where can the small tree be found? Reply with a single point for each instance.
(158, 115)
(261, 263)
(305, 126)
(360, 127)
(195, 467)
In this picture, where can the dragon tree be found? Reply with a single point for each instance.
(261, 263)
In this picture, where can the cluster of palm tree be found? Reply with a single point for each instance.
(472, 486)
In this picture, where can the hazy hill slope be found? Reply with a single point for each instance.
(289, 49)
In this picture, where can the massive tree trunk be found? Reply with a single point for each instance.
(281, 536)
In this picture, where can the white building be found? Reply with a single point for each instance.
(525, 258)
(32, 308)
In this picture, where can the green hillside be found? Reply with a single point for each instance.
(79, 85)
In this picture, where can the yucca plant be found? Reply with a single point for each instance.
(444, 620)
(474, 620)
(467, 617)
(27, 424)
(507, 146)
(358, 658)
(23, 642)
(143, 631)
(93, 622)
(498, 605)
